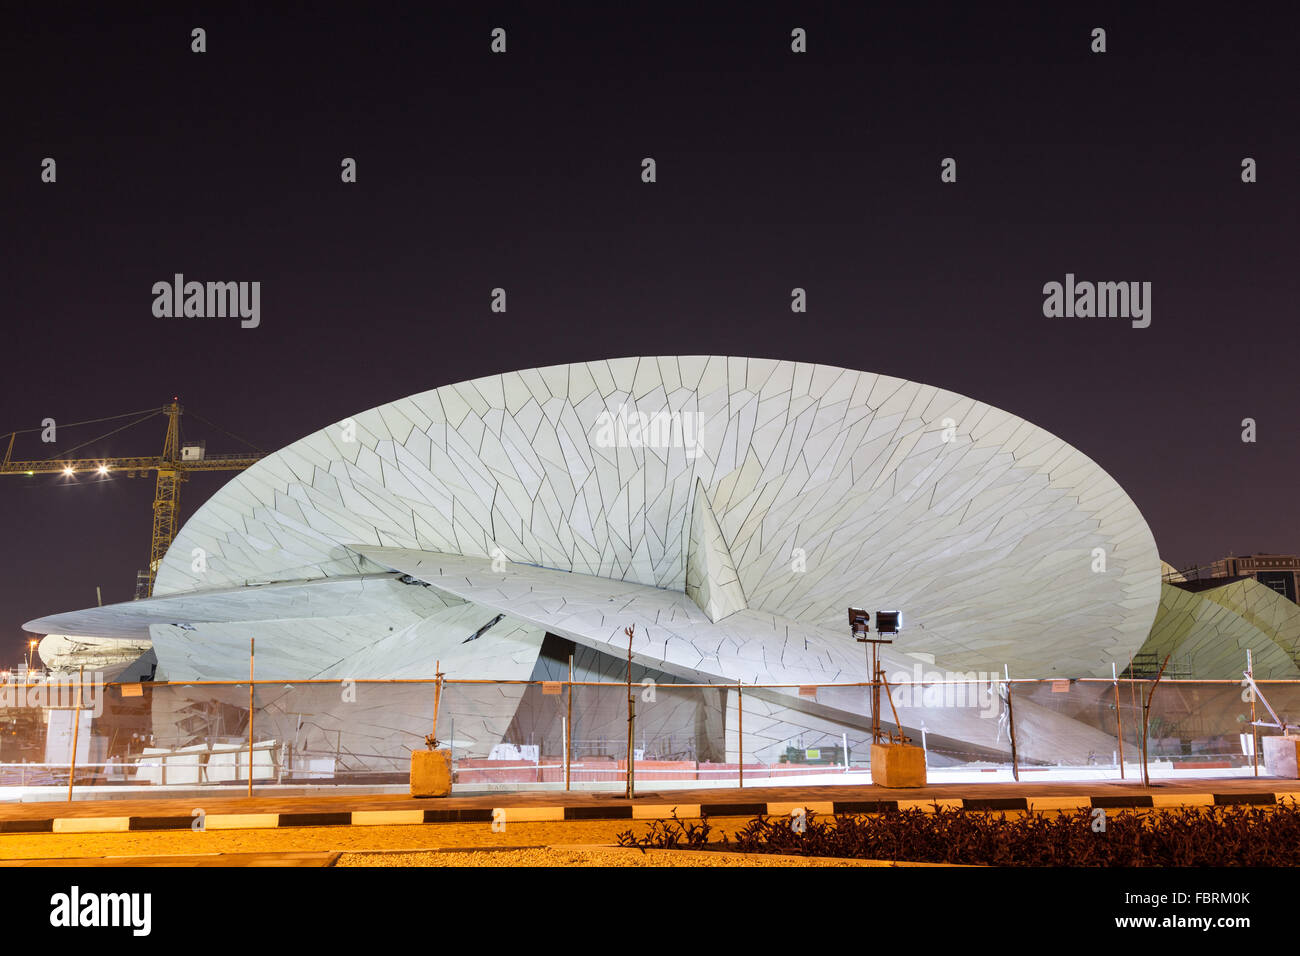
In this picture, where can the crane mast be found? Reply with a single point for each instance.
(173, 467)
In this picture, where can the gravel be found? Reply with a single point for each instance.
(587, 856)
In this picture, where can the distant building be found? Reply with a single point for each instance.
(1281, 572)
(1210, 615)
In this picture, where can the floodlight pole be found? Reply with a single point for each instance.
(875, 690)
(877, 677)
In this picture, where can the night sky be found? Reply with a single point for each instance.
(523, 171)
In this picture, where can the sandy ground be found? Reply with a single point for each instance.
(356, 839)
(559, 843)
(344, 839)
(589, 856)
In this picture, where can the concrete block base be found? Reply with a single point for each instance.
(1280, 756)
(430, 773)
(897, 765)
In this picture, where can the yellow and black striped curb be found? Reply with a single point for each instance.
(635, 811)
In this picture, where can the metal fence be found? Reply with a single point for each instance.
(62, 738)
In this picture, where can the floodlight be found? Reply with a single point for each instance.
(859, 621)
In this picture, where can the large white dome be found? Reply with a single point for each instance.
(998, 541)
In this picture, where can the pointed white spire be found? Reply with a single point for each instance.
(711, 578)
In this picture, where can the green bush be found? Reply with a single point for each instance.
(1232, 835)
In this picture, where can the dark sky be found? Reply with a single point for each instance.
(523, 171)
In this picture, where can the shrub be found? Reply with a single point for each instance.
(1232, 835)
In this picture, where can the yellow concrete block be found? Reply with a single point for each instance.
(1059, 803)
(533, 814)
(664, 811)
(240, 821)
(91, 824)
(376, 818)
(430, 773)
(823, 808)
(1182, 799)
(897, 765)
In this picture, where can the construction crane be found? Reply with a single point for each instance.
(173, 467)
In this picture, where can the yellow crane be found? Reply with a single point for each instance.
(173, 467)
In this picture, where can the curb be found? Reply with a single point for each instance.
(659, 811)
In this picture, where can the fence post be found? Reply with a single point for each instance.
(250, 716)
(1254, 728)
(437, 702)
(76, 726)
(740, 733)
(1011, 726)
(568, 731)
(1119, 719)
(631, 718)
(1146, 721)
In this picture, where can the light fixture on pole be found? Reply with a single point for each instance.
(887, 622)
(895, 762)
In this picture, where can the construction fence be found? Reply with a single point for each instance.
(62, 738)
